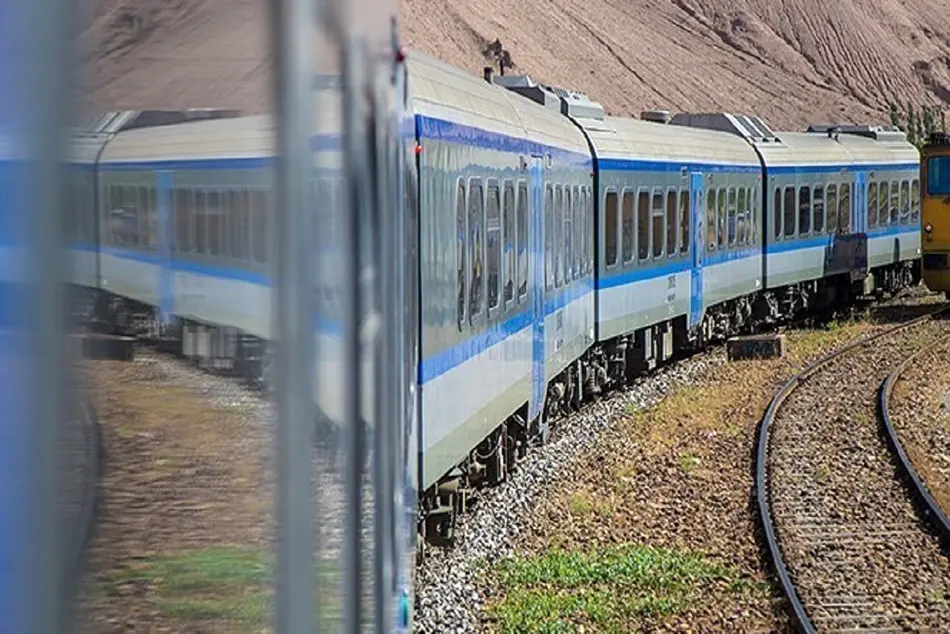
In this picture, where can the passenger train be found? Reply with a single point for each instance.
(558, 251)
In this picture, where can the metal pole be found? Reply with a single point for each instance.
(293, 23)
(33, 54)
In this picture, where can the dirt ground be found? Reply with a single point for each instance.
(794, 63)
(667, 493)
(182, 542)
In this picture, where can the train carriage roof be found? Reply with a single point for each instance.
(448, 94)
(619, 138)
(831, 147)
(243, 137)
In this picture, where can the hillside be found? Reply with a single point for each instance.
(791, 61)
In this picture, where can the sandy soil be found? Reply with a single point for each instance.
(793, 62)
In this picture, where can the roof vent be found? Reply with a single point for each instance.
(876, 132)
(748, 127)
(656, 116)
(527, 87)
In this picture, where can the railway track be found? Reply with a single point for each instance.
(849, 547)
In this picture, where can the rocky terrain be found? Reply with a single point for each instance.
(791, 61)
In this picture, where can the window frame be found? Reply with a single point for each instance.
(608, 192)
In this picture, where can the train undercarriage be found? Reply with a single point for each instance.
(605, 367)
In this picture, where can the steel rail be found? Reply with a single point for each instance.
(798, 612)
(928, 506)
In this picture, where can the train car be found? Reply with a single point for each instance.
(678, 247)
(891, 203)
(935, 180)
(819, 242)
(505, 274)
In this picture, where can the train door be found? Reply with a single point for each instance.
(164, 226)
(859, 208)
(699, 246)
(859, 218)
(536, 251)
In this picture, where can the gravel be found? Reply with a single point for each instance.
(448, 596)
(920, 414)
(849, 533)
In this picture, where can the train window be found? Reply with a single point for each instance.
(460, 254)
(588, 239)
(215, 226)
(872, 204)
(895, 202)
(476, 243)
(777, 212)
(742, 215)
(831, 204)
(722, 213)
(493, 244)
(804, 210)
(258, 206)
(627, 222)
(788, 212)
(659, 222)
(844, 207)
(509, 241)
(711, 220)
(558, 236)
(905, 202)
(883, 215)
(671, 222)
(732, 221)
(643, 224)
(233, 223)
(201, 227)
(244, 218)
(184, 204)
(548, 237)
(522, 240)
(938, 176)
(568, 235)
(684, 221)
(818, 209)
(146, 215)
(610, 229)
(915, 200)
(578, 231)
(753, 214)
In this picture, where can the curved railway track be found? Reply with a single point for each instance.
(926, 502)
(848, 546)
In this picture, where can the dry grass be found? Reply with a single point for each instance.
(676, 477)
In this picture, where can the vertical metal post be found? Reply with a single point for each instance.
(292, 33)
(33, 101)
(357, 208)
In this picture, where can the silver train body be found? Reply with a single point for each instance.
(559, 251)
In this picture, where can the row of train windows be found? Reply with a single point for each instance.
(492, 225)
(828, 208)
(731, 215)
(656, 216)
(218, 222)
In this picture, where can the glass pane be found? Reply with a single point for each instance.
(610, 228)
(629, 220)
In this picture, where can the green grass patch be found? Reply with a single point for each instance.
(606, 588)
(230, 585)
